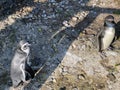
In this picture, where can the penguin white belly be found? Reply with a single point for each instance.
(108, 38)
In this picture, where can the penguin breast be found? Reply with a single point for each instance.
(108, 37)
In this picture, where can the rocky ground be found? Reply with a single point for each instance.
(63, 38)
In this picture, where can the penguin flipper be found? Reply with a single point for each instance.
(29, 72)
(100, 43)
(100, 35)
(28, 76)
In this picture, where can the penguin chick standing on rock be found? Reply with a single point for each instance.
(106, 36)
(21, 71)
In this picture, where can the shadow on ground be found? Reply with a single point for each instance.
(39, 28)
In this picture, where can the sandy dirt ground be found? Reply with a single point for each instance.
(63, 38)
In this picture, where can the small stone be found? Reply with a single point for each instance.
(11, 20)
(81, 77)
(65, 23)
(83, 47)
(74, 18)
(73, 46)
(54, 80)
(65, 69)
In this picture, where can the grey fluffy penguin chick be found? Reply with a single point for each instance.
(107, 34)
(20, 69)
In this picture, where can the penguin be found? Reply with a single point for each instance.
(106, 36)
(21, 71)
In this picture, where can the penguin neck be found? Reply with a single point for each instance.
(109, 27)
(109, 24)
(21, 52)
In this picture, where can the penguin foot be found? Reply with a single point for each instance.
(110, 48)
(103, 55)
(28, 81)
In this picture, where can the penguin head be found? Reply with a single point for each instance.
(24, 46)
(109, 21)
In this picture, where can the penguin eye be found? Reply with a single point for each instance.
(25, 47)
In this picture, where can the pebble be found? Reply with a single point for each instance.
(73, 46)
(74, 18)
(65, 23)
(54, 80)
(81, 76)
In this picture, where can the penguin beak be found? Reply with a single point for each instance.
(29, 44)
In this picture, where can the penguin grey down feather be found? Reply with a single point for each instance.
(20, 69)
(107, 34)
